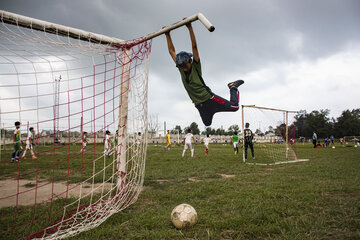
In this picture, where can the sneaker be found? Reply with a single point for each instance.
(235, 84)
(23, 157)
(34, 157)
(254, 158)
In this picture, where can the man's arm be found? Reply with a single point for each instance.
(170, 46)
(193, 43)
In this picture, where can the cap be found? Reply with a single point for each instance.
(182, 58)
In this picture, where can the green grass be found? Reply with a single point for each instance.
(319, 199)
(59, 164)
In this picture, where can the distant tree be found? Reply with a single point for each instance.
(259, 132)
(220, 131)
(234, 128)
(270, 130)
(300, 121)
(176, 130)
(318, 121)
(194, 128)
(209, 131)
(348, 123)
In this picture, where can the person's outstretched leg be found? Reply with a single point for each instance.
(216, 104)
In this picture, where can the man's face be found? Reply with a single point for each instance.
(187, 66)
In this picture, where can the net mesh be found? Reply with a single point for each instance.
(274, 135)
(74, 175)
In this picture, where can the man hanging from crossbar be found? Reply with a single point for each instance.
(201, 95)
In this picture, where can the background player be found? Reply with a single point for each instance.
(168, 141)
(235, 141)
(206, 141)
(107, 143)
(138, 141)
(17, 141)
(248, 140)
(201, 95)
(29, 143)
(187, 139)
(84, 142)
(314, 138)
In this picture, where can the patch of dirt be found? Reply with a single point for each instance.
(161, 181)
(25, 193)
(226, 175)
(194, 179)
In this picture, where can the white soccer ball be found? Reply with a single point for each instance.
(333, 147)
(183, 216)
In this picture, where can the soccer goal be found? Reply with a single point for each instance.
(271, 139)
(85, 96)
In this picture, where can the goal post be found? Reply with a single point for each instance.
(60, 30)
(74, 181)
(273, 140)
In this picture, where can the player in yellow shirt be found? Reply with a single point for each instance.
(168, 141)
(17, 143)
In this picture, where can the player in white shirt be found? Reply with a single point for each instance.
(29, 143)
(107, 143)
(138, 141)
(84, 141)
(206, 141)
(188, 138)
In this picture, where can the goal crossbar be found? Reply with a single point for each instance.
(49, 27)
(266, 108)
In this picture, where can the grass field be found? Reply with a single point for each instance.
(319, 199)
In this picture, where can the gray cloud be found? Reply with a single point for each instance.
(250, 36)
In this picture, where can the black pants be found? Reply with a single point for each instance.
(216, 104)
(249, 144)
(314, 142)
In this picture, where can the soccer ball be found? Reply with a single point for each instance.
(183, 216)
(333, 146)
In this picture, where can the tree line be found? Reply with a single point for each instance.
(347, 124)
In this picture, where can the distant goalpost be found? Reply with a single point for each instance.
(274, 138)
(71, 85)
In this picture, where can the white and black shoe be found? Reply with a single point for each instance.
(235, 84)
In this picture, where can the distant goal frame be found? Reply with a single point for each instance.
(286, 135)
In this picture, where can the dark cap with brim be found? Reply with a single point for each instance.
(182, 58)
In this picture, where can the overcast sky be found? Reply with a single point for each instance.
(295, 55)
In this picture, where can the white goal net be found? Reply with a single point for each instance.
(86, 104)
(271, 139)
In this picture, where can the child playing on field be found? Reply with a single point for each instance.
(201, 95)
(29, 143)
(168, 141)
(84, 142)
(207, 140)
(107, 143)
(138, 141)
(235, 140)
(17, 141)
(187, 140)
